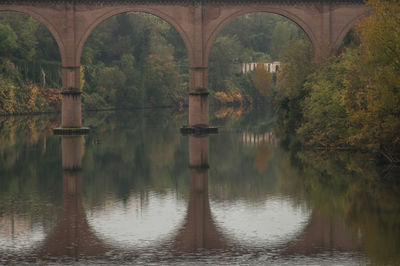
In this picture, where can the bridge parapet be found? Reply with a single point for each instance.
(189, 2)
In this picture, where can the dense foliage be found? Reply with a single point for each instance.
(353, 100)
(134, 60)
(29, 66)
(257, 37)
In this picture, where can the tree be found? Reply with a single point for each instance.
(283, 32)
(263, 81)
(296, 65)
(325, 119)
(8, 41)
(224, 55)
(373, 99)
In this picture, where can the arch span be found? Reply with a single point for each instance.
(42, 19)
(117, 11)
(267, 9)
(349, 26)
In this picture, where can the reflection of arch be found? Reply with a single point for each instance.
(199, 230)
(265, 9)
(323, 234)
(72, 235)
(42, 19)
(121, 10)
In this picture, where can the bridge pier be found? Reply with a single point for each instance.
(198, 103)
(198, 107)
(71, 104)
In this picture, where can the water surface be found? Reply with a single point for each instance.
(135, 191)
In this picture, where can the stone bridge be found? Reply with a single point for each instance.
(197, 21)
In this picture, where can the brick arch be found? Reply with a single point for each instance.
(350, 24)
(42, 19)
(268, 9)
(156, 12)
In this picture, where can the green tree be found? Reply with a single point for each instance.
(296, 64)
(8, 41)
(324, 112)
(283, 32)
(373, 99)
(223, 57)
(262, 80)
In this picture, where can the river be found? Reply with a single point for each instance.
(136, 191)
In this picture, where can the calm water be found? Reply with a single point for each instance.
(135, 191)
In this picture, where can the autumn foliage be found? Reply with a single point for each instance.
(262, 80)
(354, 100)
(28, 99)
(234, 97)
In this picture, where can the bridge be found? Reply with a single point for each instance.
(198, 22)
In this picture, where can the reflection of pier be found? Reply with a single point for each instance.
(72, 237)
(323, 234)
(252, 139)
(199, 230)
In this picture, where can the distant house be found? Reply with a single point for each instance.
(272, 67)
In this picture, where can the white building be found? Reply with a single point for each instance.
(271, 67)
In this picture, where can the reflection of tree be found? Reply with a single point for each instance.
(347, 188)
(27, 165)
(148, 154)
(263, 155)
(251, 119)
(372, 207)
(72, 236)
(235, 173)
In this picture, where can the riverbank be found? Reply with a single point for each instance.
(353, 99)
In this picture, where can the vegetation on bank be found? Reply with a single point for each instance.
(29, 66)
(354, 99)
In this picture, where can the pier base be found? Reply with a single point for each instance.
(77, 131)
(198, 130)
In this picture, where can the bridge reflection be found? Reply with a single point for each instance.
(73, 237)
(323, 234)
(199, 230)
